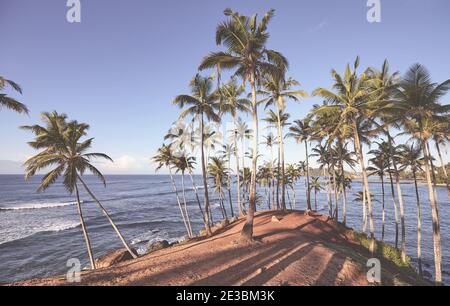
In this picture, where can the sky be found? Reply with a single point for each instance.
(123, 64)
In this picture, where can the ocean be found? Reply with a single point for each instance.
(40, 232)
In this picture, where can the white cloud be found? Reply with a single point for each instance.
(127, 164)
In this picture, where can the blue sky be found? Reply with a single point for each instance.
(120, 68)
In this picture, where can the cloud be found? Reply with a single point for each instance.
(127, 164)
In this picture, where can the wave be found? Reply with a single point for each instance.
(38, 206)
(27, 231)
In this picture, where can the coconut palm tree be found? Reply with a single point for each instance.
(165, 158)
(202, 103)
(357, 99)
(441, 137)
(344, 157)
(380, 166)
(232, 103)
(275, 91)
(323, 154)
(226, 152)
(270, 141)
(384, 152)
(317, 187)
(292, 176)
(411, 157)
(301, 132)
(419, 98)
(9, 102)
(61, 146)
(183, 139)
(182, 163)
(245, 41)
(272, 119)
(265, 179)
(218, 172)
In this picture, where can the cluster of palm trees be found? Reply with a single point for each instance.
(360, 109)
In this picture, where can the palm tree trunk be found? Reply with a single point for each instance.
(400, 199)
(229, 187)
(308, 189)
(383, 213)
(247, 230)
(328, 190)
(364, 226)
(281, 144)
(344, 195)
(196, 195)
(205, 182)
(419, 225)
(236, 155)
(108, 217)
(434, 216)
(366, 185)
(174, 187)
(330, 201)
(315, 199)
(336, 200)
(278, 178)
(83, 227)
(395, 208)
(185, 205)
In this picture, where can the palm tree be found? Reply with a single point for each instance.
(202, 103)
(357, 99)
(165, 158)
(245, 42)
(181, 163)
(344, 156)
(276, 90)
(265, 179)
(243, 133)
(183, 139)
(61, 146)
(317, 187)
(385, 152)
(323, 160)
(292, 175)
(380, 166)
(270, 141)
(411, 157)
(441, 137)
(9, 102)
(217, 170)
(232, 103)
(274, 120)
(226, 152)
(301, 132)
(418, 97)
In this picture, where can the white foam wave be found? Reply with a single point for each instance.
(11, 234)
(38, 206)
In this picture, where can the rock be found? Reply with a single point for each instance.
(114, 258)
(260, 270)
(158, 245)
(234, 219)
(275, 219)
(202, 232)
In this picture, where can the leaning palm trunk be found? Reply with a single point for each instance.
(419, 225)
(366, 186)
(196, 195)
(434, 216)
(328, 190)
(247, 230)
(236, 155)
(205, 183)
(395, 208)
(174, 187)
(344, 195)
(229, 187)
(108, 217)
(447, 183)
(83, 227)
(185, 205)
